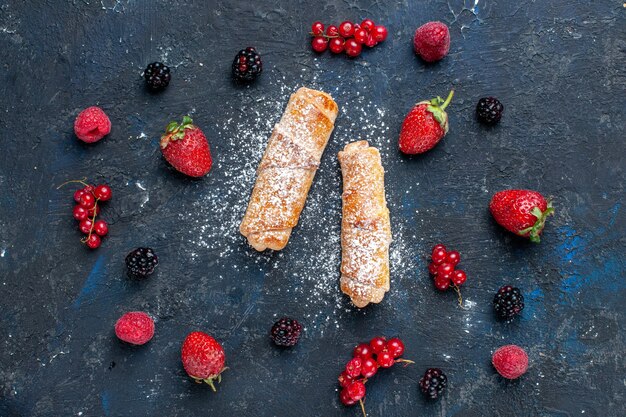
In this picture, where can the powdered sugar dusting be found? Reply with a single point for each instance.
(313, 257)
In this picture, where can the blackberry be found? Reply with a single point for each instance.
(141, 262)
(508, 302)
(247, 65)
(489, 110)
(157, 75)
(433, 383)
(286, 332)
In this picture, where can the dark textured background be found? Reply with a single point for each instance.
(558, 66)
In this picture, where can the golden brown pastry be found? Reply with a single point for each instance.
(365, 227)
(287, 169)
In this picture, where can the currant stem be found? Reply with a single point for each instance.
(405, 361)
(363, 407)
(458, 293)
(324, 35)
(81, 181)
(93, 222)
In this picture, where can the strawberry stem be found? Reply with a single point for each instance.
(448, 100)
(534, 230)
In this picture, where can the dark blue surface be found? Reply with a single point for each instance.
(558, 66)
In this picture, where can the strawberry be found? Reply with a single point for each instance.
(185, 147)
(523, 212)
(425, 125)
(203, 358)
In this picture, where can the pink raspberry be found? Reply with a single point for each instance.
(92, 124)
(432, 41)
(135, 327)
(510, 361)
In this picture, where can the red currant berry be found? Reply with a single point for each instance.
(445, 270)
(101, 227)
(103, 192)
(442, 284)
(362, 351)
(432, 268)
(336, 45)
(438, 246)
(360, 35)
(319, 44)
(378, 344)
(353, 368)
(346, 29)
(87, 200)
(344, 379)
(88, 189)
(395, 347)
(453, 257)
(85, 226)
(369, 367)
(332, 30)
(370, 42)
(77, 195)
(79, 212)
(344, 397)
(317, 28)
(356, 390)
(438, 256)
(379, 33)
(385, 360)
(367, 24)
(459, 277)
(94, 210)
(353, 48)
(93, 241)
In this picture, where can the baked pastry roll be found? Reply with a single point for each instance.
(365, 226)
(287, 169)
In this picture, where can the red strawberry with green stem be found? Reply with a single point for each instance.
(523, 212)
(186, 148)
(203, 358)
(425, 125)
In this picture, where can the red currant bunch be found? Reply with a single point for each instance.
(367, 358)
(87, 209)
(348, 37)
(443, 268)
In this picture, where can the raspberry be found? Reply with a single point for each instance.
(489, 110)
(92, 124)
(510, 361)
(286, 332)
(135, 327)
(432, 41)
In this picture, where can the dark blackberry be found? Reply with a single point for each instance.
(508, 302)
(489, 110)
(247, 65)
(141, 262)
(286, 332)
(433, 383)
(157, 76)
